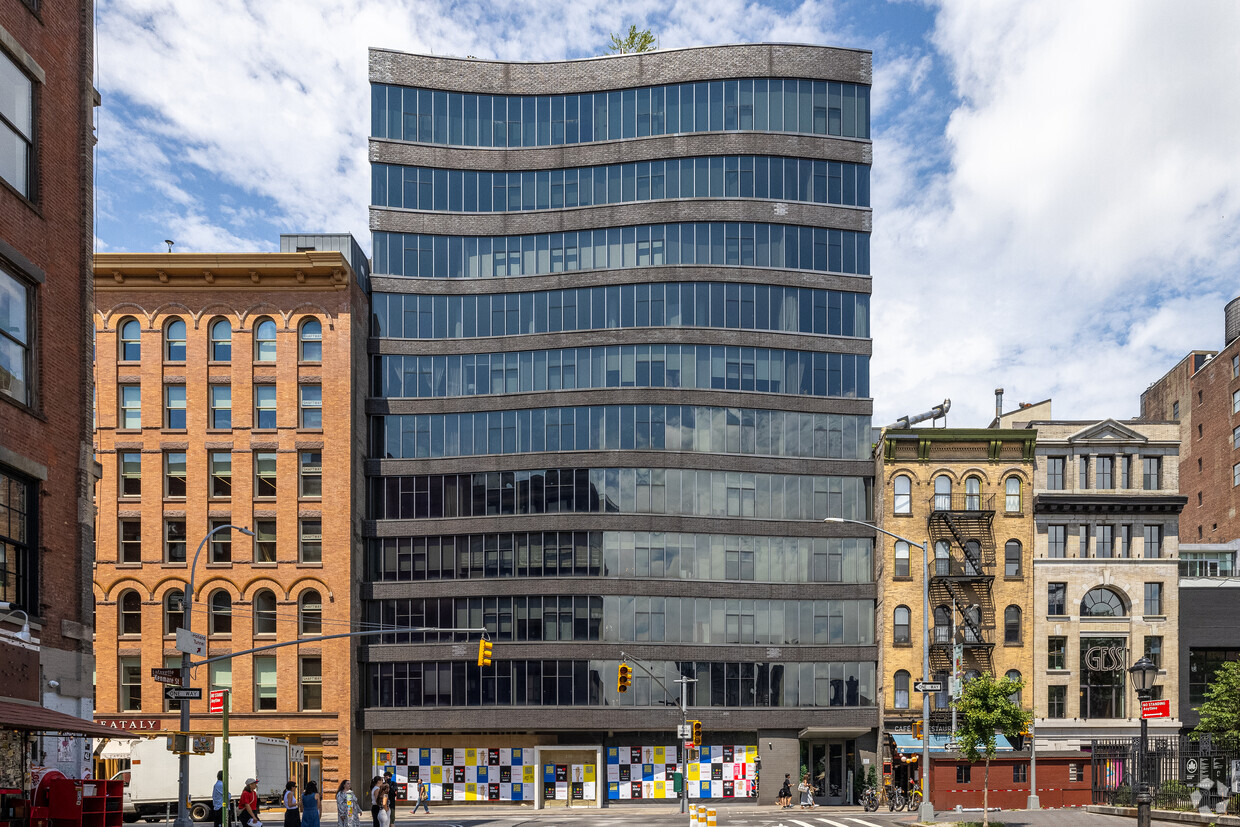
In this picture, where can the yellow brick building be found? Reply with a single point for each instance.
(966, 494)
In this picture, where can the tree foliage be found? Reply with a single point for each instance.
(986, 709)
(635, 41)
(1220, 711)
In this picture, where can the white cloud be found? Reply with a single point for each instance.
(1083, 237)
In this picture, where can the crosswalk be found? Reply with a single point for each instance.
(817, 821)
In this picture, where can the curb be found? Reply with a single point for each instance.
(1168, 815)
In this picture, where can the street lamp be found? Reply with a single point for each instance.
(183, 819)
(1143, 674)
(925, 813)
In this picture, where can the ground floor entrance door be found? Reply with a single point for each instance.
(830, 764)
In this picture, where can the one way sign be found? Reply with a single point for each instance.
(176, 693)
(928, 686)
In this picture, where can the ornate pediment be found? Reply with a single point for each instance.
(1108, 430)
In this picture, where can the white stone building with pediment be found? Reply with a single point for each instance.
(1106, 508)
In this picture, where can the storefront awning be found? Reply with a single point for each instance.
(116, 749)
(908, 745)
(812, 732)
(37, 719)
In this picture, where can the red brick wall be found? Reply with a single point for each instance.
(1207, 456)
(53, 232)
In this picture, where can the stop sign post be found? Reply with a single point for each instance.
(218, 702)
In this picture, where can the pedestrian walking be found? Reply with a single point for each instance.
(421, 797)
(807, 793)
(385, 815)
(375, 784)
(310, 809)
(292, 807)
(217, 800)
(249, 804)
(348, 810)
(785, 792)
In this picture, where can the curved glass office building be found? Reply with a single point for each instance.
(620, 352)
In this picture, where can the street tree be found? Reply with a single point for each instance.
(986, 708)
(1220, 711)
(635, 41)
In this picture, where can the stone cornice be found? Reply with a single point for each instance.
(309, 270)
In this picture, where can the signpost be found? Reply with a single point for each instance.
(191, 642)
(168, 676)
(220, 702)
(928, 686)
(1156, 709)
(176, 693)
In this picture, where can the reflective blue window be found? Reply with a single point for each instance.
(672, 304)
(774, 105)
(671, 491)
(688, 428)
(790, 247)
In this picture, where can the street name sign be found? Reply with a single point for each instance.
(169, 676)
(176, 693)
(928, 686)
(1156, 709)
(191, 642)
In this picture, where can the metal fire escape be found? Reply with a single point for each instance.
(962, 581)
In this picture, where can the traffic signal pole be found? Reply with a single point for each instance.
(684, 716)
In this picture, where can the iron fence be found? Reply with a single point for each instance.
(1183, 773)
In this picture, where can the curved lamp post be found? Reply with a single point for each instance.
(925, 813)
(1144, 674)
(183, 819)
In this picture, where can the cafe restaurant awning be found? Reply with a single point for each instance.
(29, 717)
(907, 745)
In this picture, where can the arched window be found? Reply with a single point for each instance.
(902, 495)
(901, 625)
(970, 675)
(942, 558)
(973, 494)
(220, 608)
(221, 341)
(1013, 675)
(942, 625)
(1011, 624)
(264, 613)
(311, 341)
(901, 559)
(174, 341)
(130, 620)
(310, 613)
(972, 557)
(973, 624)
(1102, 602)
(131, 344)
(265, 340)
(1012, 495)
(174, 611)
(942, 493)
(1011, 558)
(901, 690)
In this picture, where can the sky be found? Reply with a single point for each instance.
(1056, 185)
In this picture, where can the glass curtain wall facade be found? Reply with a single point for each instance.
(621, 338)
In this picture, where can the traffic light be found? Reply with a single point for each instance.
(697, 733)
(484, 652)
(624, 678)
(917, 730)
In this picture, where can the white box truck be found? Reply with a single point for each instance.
(154, 772)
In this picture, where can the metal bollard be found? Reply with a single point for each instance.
(710, 818)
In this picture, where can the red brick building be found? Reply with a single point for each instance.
(1202, 393)
(46, 468)
(225, 397)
